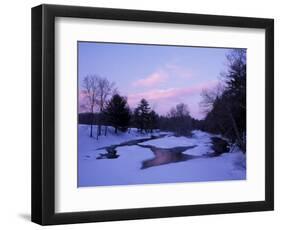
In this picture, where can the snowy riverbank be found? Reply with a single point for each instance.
(126, 169)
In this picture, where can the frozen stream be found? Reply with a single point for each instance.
(162, 158)
(161, 155)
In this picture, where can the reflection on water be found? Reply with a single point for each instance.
(166, 156)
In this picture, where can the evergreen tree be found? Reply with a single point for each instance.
(117, 113)
(153, 120)
(142, 115)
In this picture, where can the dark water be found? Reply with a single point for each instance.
(167, 155)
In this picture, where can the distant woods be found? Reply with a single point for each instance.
(224, 107)
(178, 120)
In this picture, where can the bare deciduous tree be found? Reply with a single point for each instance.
(105, 88)
(209, 96)
(90, 84)
(179, 119)
(96, 91)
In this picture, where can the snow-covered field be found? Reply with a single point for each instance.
(126, 169)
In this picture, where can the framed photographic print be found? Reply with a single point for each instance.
(142, 114)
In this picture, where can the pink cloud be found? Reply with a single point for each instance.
(152, 80)
(166, 72)
(171, 93)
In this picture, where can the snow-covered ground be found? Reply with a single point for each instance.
(126, 169)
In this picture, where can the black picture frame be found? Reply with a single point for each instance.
(43, 114)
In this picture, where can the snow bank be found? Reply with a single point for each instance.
(199, 139)
(125, 170)
(87, 143)
(170, 142)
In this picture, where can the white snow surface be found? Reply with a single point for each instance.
(199, 139)
(126, 169)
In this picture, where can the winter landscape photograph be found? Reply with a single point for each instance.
(152, 114)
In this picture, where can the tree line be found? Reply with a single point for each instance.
(225, 106)
(117, 113)
(106, 107)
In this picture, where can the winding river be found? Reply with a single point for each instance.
(161, 155)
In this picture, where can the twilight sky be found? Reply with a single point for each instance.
(164, 75)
